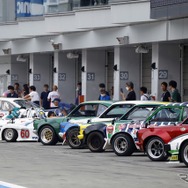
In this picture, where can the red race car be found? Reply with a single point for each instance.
(152, 139)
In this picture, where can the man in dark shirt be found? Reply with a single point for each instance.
(131, 95)
(175, 95)
(165, 97)
(44, 97)
(12, 93)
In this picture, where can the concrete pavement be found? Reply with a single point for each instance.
(34, 165)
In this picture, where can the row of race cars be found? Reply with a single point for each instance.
(157, 128)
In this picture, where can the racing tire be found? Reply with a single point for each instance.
(123, 145)
(184, 153)
(72, 138)
(47, 136)
(10, 135)
(95, 142)
(155, 149)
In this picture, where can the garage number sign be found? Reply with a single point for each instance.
(62, 77)
(36, 77)
(14, 77)
(124, 75)
(163, 74)
(90, 76)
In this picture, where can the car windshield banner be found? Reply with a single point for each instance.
(29, 8)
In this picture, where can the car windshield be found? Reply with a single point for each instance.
(167, 115)
(88, 110)
(139, 113)
(26, 104)
(116, 111)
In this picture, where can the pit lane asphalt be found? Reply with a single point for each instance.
(32, 165)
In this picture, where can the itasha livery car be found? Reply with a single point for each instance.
(69, 131)
(177, 148)
(152, 139)
(48, 129)
(100, 136)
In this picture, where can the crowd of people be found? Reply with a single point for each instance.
(51, 99)
(172, 95)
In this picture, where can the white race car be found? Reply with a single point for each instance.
(7, 104)
(21, 128)
(178, 149)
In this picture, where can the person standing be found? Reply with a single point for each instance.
(17, 89)
(44, 97)
(12, 93)
(165, 97)
(78, 92)
(175, 95)
(33, 96)
(25, 90)
(144, 95)
(104, 95)
(131, 93)
(54, 94)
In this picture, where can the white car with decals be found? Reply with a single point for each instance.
(21, 128)
(178, 149)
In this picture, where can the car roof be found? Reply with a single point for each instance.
(141, 102)
(108, 103)
(10, 99)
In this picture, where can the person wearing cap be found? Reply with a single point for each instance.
(104, 95)
(62, 108)
(131, 93)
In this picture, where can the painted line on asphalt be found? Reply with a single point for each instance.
(9, 185)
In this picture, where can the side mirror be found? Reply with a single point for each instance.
(89, 121)
(147, 124)
(68, 119)
(113, 121)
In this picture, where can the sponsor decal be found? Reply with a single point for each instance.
(110, 129)
(183, 129)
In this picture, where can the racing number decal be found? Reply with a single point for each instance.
(24, 133)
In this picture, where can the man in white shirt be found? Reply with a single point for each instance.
(33, 96)
(53, 95)
(144, 95)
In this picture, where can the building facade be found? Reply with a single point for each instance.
(63, 42)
